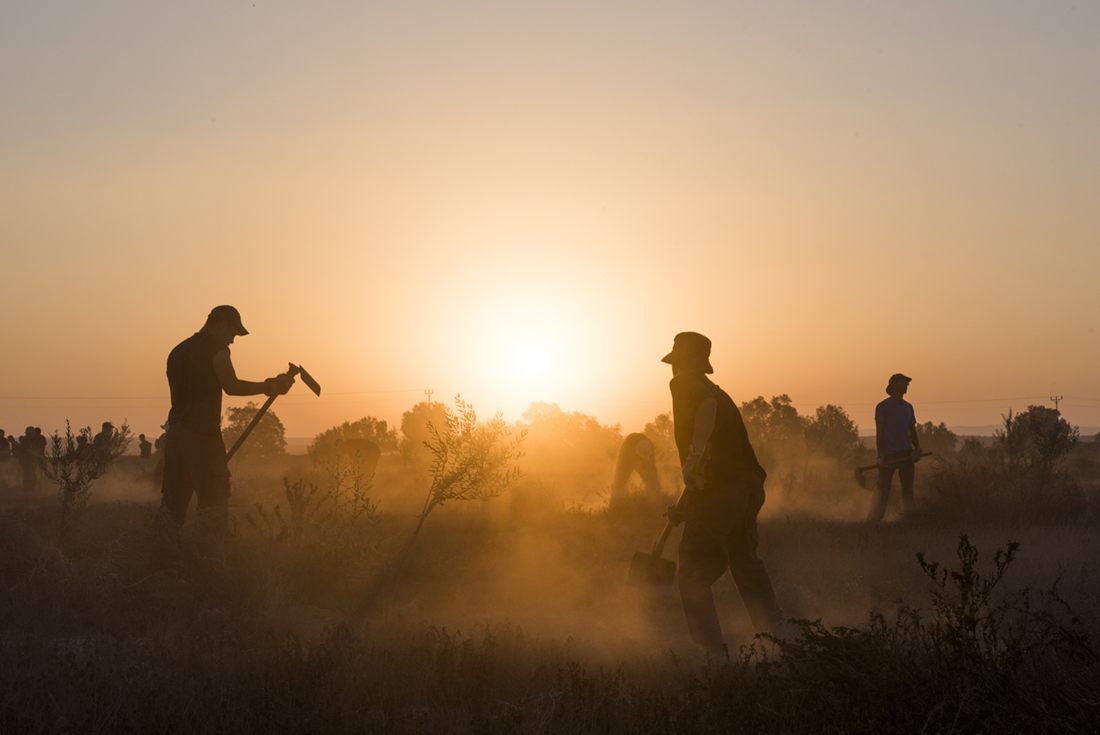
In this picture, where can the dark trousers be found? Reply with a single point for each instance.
(719, 534)
(194, 464)
(903, 465)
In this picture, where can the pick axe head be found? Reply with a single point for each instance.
(299, 371)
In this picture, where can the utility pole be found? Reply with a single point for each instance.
(1056, 400)
(428, 392)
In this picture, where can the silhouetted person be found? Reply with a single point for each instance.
(724, 493)
(101, 442)
(636, 454)
(158, 456)
(897, 444)
(199, 370)
(27, 455)
(5, 448)
(145, 447)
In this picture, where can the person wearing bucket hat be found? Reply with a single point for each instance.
(724, 491)
(898, 446)
(690, 350)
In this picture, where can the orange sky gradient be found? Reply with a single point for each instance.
(524, 202)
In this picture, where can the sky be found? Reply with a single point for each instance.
(525, 201)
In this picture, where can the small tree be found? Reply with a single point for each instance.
(833, 433)
(972, 446)
(661, 432)
(775, 429)
(415, 429)
(368, 428)
(470, 461)
(1036, 439)
(937, 438)
(772, 422)
(73, 463)
(267, 440)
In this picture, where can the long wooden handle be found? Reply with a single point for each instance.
(659, 545)
(251, 425)
(890, 464)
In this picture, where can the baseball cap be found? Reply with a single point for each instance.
(229, 314)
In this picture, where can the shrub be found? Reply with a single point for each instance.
(937, 438)
(832, 433)
(76, 461)
(1036, 440)
(982, 488)
(470, 460)
(344, 439)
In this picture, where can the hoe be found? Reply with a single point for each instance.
(860, 470)
(294, 371)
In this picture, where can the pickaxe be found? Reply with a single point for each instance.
(295, 371)
(860, 470)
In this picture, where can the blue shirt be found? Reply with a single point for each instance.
(894, 417)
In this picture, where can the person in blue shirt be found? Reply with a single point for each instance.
(898, 446)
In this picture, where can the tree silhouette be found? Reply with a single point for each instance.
(415, 429)
(937, 438)
(831, 432)
(74, 464)
(267, 440)
(470, 460)
(1036, 439)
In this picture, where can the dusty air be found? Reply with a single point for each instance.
(524, 368)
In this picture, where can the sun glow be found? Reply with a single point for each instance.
(531, 360)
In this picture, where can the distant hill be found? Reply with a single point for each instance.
(297, 444)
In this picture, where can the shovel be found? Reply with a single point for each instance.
(651, 570)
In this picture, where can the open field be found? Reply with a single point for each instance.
(510, 615)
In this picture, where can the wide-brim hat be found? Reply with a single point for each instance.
(690, 349)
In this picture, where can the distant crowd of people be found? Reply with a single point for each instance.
(28, 452)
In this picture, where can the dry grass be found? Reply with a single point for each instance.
(513, 616)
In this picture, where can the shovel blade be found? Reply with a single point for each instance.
(647, 570)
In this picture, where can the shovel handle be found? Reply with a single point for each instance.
(659, 544)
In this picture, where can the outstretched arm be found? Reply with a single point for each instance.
(234, 386)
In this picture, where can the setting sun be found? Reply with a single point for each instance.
(531, 360)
